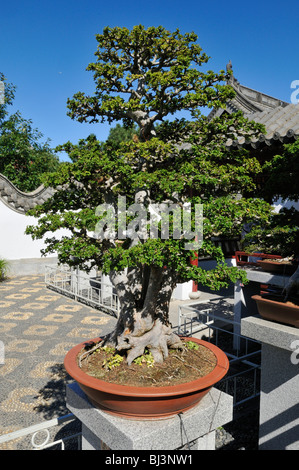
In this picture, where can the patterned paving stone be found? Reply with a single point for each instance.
(37, 328)
(22, 346)
(18, 316)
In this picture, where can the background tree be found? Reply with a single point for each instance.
(23, 157)
(119, 134)
(142, 76)
(280, 233)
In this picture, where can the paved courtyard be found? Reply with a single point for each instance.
(37, 327)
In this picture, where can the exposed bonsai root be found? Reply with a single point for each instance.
(88, 352)
(158, 339)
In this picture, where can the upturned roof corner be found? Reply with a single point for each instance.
(280, 118)
(247, 99)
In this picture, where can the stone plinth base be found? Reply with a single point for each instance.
(194, 429)
(279, 401)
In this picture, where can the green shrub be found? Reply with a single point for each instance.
(3, 268)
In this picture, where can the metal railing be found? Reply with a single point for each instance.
(234, 385)
(43, 429)
(83, 288)
(215, 322)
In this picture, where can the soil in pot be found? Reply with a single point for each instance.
(179, 367)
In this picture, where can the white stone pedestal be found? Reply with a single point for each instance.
(194, 429)
(279, 401)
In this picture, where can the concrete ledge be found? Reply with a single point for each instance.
(279, 399)
(214, 410)
(268, 332)
(262, 277)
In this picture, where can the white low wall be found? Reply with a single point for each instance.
(14, 244)
(23, 253)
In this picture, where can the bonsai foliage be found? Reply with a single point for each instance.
(143, 76)
(23, 158)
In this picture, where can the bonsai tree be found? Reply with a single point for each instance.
(142, 77)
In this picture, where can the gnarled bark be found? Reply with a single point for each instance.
(144, 324)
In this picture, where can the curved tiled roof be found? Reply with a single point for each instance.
(247, 100)
(251, 101)
(281, 124)
(280, 119)
(19, 201)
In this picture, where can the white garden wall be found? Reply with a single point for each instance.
(14, 244)
(22, 252)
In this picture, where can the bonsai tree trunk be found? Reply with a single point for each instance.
(143, 321)
(292, 285)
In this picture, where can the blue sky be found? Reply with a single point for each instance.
(46, 46)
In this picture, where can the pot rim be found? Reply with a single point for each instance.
(259, 298)
(207, 381)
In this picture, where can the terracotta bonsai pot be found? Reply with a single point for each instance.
(279, 311)
(145, 402)
(280, 267)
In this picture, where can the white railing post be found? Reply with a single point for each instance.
(99, 294)
(44, 427)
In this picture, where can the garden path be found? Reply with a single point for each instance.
(37, 327)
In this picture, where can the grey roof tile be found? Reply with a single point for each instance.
(18, 200)
(280, 123)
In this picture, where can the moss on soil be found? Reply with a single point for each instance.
(180, 366)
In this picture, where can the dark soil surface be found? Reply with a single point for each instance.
(292, 302)
(180, 366)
